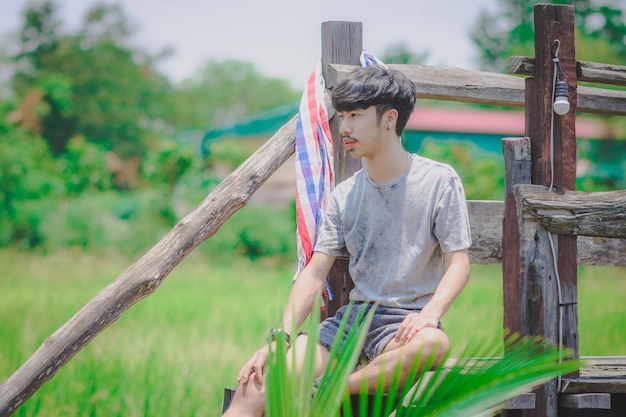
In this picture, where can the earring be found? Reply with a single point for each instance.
(388, 127)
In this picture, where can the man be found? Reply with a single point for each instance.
(403, 222)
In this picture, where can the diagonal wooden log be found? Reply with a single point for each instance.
(147, 274)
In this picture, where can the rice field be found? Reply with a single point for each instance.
(173, 353)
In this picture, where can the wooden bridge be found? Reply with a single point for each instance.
(540, 286)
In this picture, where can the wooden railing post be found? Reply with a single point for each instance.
(342, 43)
(553, 154)
(517, 161)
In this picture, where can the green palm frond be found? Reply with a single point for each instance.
(478, 383)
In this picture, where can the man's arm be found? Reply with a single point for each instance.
(308, 285)
(299, 304)
(454, 280)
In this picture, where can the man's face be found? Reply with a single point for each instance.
(361, 132)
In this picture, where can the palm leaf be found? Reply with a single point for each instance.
(481, 387)
(290, 395)
(343, 360)
(478, 383)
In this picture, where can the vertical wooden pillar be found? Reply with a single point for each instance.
(556, 22)
(553, 152)
(517, 165)
(342, 43)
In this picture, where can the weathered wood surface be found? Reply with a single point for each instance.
(147, 274)
(486, 227)
(586, 71)
(600, 374)
(470, 86)
(342, 43)
(549, 265)
(601, 214)
(600, 401)
(486, 219)
(518, 163)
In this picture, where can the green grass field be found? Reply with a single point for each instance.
(173, 353)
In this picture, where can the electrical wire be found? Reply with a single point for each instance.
(556, 44)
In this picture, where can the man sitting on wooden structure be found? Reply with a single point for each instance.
(402, 221)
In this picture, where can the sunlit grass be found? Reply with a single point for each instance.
(174, 352)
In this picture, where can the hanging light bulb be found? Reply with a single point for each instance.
(561, 104)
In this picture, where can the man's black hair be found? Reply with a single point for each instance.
(376, 86)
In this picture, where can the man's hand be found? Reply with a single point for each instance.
(254, 366)
(412, 324)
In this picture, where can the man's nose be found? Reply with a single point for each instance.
(344, 126)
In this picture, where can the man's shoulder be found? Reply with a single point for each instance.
(348, 184)
(432, 167)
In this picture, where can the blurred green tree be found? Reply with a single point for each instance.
(223, 91)
(400, 53)
(509, 31)
(93, 82)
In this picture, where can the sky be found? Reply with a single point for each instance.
(281, 38)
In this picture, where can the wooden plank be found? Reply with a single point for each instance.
(456, 84)
(585, 401)
(599, 251)
(599, 374)
(601, 214)
(526, 401)
(586, 71)
(486, 219)
(598, 385)
(470, 86)
(486, 227)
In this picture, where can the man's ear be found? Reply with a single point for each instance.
(390, 117)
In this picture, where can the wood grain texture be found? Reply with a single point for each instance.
(586, 71)
(470, 86)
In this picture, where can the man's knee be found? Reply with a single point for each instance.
(322, 355)
(429, 344)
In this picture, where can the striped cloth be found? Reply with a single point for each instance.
(314, 163)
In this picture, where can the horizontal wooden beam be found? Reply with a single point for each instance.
(596, 401)
(601, 214)
(470, 86)
(486, 225)
(453, 84)
(585, 71)
(525, 401)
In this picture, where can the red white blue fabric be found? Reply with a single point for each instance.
(314, 162)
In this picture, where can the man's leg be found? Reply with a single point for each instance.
(427, 342)
(249, 399)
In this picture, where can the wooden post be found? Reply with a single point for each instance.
(517, 161)
(553, 151)
(342, 43)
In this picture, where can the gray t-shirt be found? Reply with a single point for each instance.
(396, 234)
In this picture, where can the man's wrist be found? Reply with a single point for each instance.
(273, 335)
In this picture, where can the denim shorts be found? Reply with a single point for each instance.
(385, 324)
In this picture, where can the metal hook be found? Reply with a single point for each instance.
(555, 53)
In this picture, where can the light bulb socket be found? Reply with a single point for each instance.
(561, 103)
